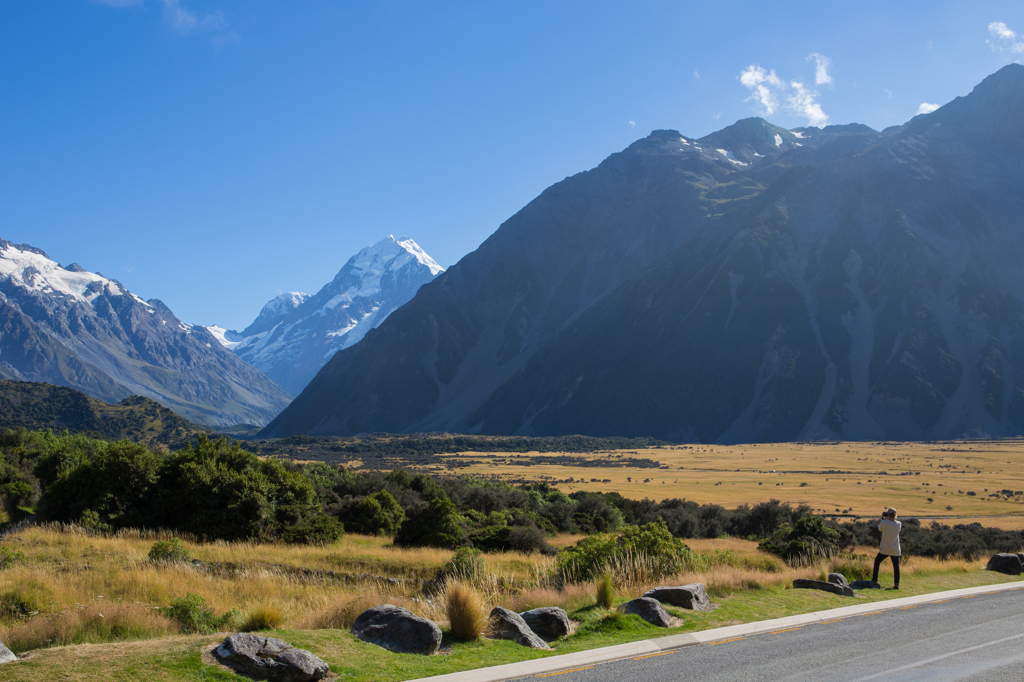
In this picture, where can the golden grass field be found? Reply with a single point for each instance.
(928, 480)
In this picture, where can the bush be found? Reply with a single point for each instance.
(465, 610)
(9, 557)
(262, 618)
(113, 623)
(651, 544)
(465, 564)
(17, 604)
(433, 525)
(604, 591)
(810, 538)
(377, 514)
(193, 616)
(169, 551)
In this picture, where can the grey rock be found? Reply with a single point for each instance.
(396, 629)
(550, 622)
(838, 579)
(692, 596)
(6, 655)
(865, 585)
(649, 609)
(843, 590)
(506, 624)
(1010, 564)
(267, 658)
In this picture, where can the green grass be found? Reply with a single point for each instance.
(176, 659)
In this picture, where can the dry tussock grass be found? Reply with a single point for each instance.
(467, 614)
(88, 625)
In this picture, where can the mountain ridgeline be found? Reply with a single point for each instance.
(757, 284)
(296, 334)
(37, 406)
(71, 327)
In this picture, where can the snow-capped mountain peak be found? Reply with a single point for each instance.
(295, 333)
(30, 268)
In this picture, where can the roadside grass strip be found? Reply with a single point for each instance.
(583, 660)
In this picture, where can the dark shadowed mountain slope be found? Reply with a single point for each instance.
(847, 284)
(44, 406)
(71, 327)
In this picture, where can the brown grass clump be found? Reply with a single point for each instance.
(262, 618)
(465, 610)
(88, 625)
(604, 591)
(341, 614)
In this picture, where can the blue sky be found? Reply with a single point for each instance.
(214, 153)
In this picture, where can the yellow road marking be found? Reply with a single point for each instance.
(826, 622)
(663, 653)
(873, 613)
(939, 601)
(734, 639)
(562, 672)
(913, 606)
(775, 632)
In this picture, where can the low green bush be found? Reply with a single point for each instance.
(465, 564)
(807, 540)
(169, 551)
(645, 552)
(9, 557)
(193, 616)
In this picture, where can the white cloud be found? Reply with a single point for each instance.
(696, 73)
(822, 65)
(762, 83)
(888, 92)
(926, 108)
(717, 115)
(802, 101)
(767, 89)
(186, 21)
(631, 124)
(1005, 40)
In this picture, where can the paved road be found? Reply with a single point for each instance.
(972, 638)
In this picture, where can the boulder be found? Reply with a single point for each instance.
(690, 596)
(865, 585)
(549, 622)
(266, 658)
(6, 655)
(506, 624)
(649, 609)
(838, 579)
(843, 590)
(396, 629)
(1010, 564)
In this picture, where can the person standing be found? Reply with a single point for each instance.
(889, 546)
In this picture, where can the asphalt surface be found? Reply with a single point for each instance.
(966, 638)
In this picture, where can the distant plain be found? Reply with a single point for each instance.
(930, 480)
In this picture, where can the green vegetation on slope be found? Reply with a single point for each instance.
(36, 406)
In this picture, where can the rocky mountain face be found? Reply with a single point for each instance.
(70, 327)
(757, 284)
(296, 334)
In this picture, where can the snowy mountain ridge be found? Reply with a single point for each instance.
(296, 333)
(71, 327)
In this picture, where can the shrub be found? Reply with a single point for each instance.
(169, 551)
(466, 617)
(604, 590)
(17, 603)
(465, 564)
(193, 616)
(9, 557)
(262, 618)
(433, 525)
(377, 514)
(342, 615)
(853, 570)
(91, 520)
(651, 545)
(806, 540)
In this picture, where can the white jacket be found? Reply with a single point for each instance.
(890, 544)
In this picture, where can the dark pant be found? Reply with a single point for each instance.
(895, 568)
